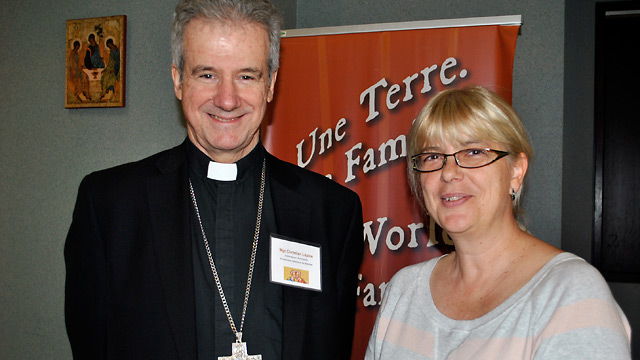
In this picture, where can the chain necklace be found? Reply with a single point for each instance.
(239, 349)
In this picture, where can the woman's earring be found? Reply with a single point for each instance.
(513, 194)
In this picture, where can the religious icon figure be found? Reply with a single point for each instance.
(296, 276)
(77, 80)
(111, 72)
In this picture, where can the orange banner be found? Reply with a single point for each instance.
(344, 104)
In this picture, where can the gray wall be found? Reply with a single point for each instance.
(46, 149)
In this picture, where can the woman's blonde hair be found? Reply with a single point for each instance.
(458, 116)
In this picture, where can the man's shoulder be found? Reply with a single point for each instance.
(155, 164)
(312, 181)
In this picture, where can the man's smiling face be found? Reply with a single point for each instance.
(224, 86)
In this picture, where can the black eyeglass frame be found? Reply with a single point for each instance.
(500, 153)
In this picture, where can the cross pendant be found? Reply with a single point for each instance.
(239, 351)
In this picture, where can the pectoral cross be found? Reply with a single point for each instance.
(239, 351)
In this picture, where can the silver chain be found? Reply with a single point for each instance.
(256, 235)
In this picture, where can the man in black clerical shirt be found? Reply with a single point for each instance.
(169, 257)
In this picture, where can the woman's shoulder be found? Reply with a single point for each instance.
(571, 266)
(570, 276)
(411, 273)
(407, 288)
(410, 279)
(573, 297)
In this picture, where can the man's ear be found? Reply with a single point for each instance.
(272, 86)
(177, 81)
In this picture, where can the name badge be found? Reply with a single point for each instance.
(294, 263)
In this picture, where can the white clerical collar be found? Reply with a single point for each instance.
(222, 172)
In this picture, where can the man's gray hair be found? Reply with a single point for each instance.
(253, 11)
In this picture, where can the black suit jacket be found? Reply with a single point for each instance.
(129, 284)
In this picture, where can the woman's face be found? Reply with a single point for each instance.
(468, 200)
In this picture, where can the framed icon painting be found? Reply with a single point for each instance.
(95, 62)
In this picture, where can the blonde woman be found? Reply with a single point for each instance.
(503, 293)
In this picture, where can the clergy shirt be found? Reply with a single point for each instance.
(228, 210)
